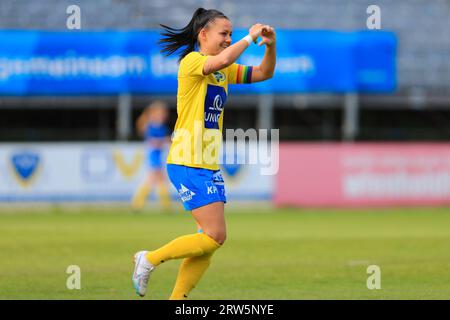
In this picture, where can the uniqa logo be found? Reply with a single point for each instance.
(217, 103)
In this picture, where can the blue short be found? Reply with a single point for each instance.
(154, 158)
(197, 187)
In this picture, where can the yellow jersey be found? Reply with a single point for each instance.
(197, 136)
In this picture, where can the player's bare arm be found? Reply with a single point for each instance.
(267, 67)
(232, 52)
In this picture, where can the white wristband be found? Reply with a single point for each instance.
(248, 38)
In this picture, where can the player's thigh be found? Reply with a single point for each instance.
(211, 218)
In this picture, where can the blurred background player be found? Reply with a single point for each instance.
(151, 124)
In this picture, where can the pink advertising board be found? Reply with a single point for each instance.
(363, 174)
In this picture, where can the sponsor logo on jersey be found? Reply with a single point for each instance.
(214, 102)
(219, 76)
(218, 179)
(211, 188)
(217, 104)
(185, 193)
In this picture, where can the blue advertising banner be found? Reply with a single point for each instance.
(110, 63)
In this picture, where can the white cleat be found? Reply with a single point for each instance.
(142, 270)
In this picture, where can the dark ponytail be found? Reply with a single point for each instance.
(174, 39)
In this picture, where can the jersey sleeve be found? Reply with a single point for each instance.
(238, 73)
(192, 65)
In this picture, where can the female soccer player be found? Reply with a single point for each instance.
(152, 125)
(207, 66)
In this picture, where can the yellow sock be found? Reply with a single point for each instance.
(190, 272)
(187, 246)
(140, 196)
(164, 196)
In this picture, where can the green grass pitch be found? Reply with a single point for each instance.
(269, 254)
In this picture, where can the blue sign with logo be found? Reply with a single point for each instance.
(110, 63)
(231, 167)
(25, 165)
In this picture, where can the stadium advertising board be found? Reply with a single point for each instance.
(378, 174)
(100, 172)
(67, 63)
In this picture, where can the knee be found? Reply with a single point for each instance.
(218, 235)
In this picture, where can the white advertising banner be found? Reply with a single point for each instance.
(86, 172)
